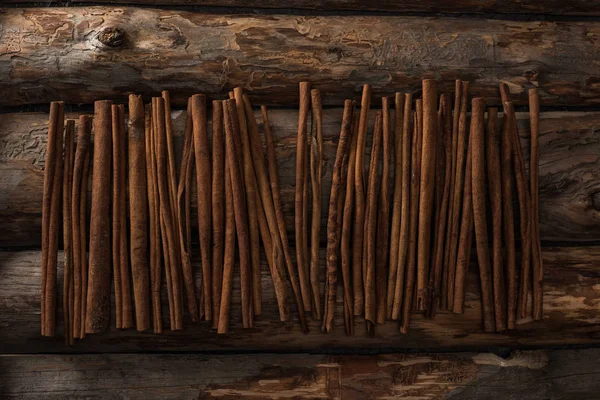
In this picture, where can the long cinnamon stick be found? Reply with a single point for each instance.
(84, 130)
(68, 274)
(413, 223)
(495, 190)
(316, 177)
(479, 212)
(383, 215)
(218, 211)
(427, 190)
(203, 180)
(333, 240)
(405, 209)
(443, 185)
(274, 183)
(267, 219)
(97, 316)
(83, 217)
(300, 198)
(232, 149)
(458, 192)
(534, 161)
(359, 216)
(396, 203)
(138, 219)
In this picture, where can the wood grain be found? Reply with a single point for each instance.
(192, 52)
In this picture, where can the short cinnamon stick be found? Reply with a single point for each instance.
(218, 211)
(534, 161)
(68, 274)
(333, 239)
(495, 190)
(138, 219)
(97, 316)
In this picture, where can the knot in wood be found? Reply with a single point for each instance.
(111, 36)
(596, 200)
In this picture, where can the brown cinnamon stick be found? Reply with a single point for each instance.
(495, 189)
(274, 183)
(233, 148)
(316, 177)
(68, 274)
(218, 211)
(138, 219)
(479, 212)
(83, 208)
(383, 215)
(300, 197)
(97, 316)
(405, 208)
(413, 223)
(359, 216)
(396, 203)
(79, 193)
(458, 192)
(154, 225)
(203, 181)
(534, 161)
(333, 239)
(268, 225)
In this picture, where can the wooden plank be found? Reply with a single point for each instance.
(56, 54)
(569, 171)
(564, 374)
(571, 304)
(551, 7)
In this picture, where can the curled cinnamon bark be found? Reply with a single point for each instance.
(79, 194)
(427, 190)
(218, 211)
(274, 182)
(203, 181)
(495, 189)
(316, 177)
(83, 207)
(138, 219)
(97, 316)
(333, 239)
(479, 212)
(534, 161)
(359, 216)
(68, 274)
(396, 203)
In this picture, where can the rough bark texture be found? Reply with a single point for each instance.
(82, 54)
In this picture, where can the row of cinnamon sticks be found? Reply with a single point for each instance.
(406, 246)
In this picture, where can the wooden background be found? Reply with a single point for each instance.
(50, 50)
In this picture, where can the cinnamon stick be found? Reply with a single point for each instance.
(448, 260)
(371, 281)
(405, 208)
(78, 217)
(97, 316)
(274, 183)
(232, 149)
(534, 161)
(495, 189)
(359, 216)
(396, 203)
(267, 219)
(427, 185)
(316, 177)
(300, 197)
(413, 220)
(154, 225)
(67, 185)
(203, 181)
(138, 220)
(461, 147)
(333, 239)
(443, 186)
(479, 213)
(218, 211)
(83, 232)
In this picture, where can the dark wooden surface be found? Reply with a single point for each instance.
(54, 53)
